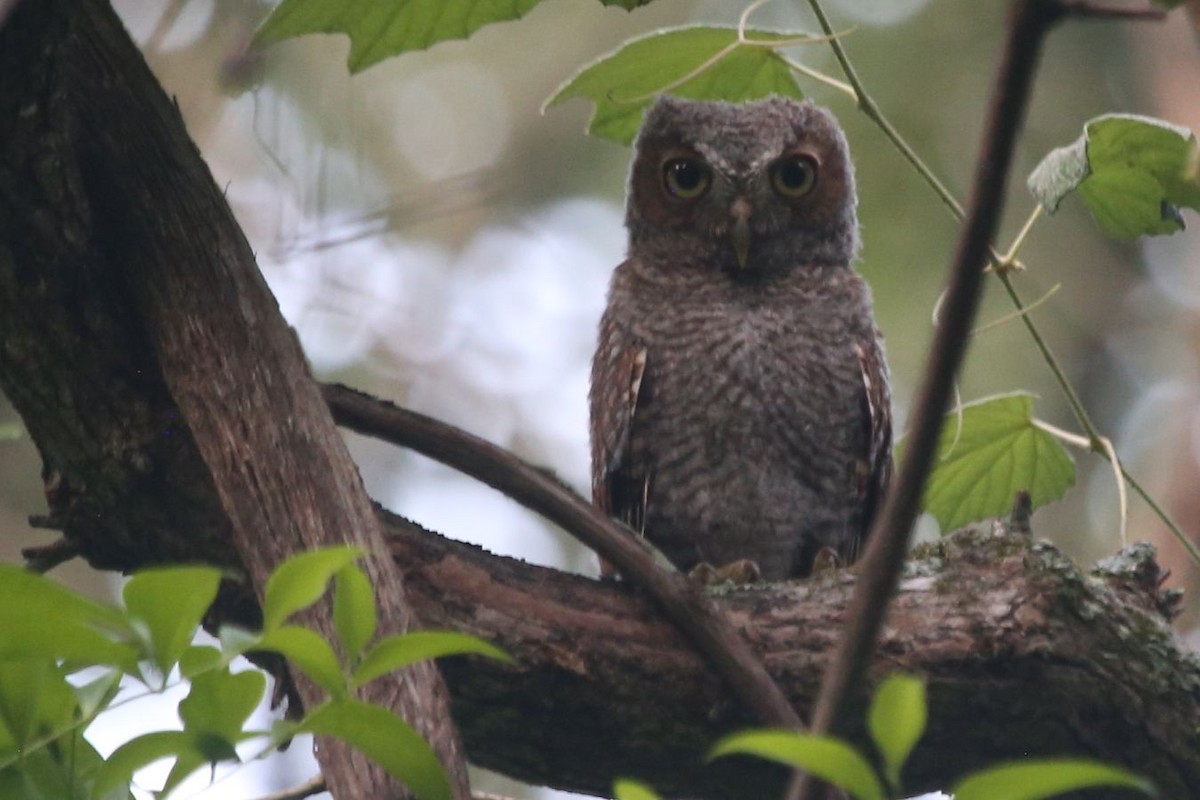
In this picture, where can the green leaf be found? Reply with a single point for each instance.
(623, 83)
(96, 695)
(827, 758)
(138, 752)
(382, 28)
(62, 771)
(354, 615)
(200, 658)
(190, 761)
(171, 602)
(300, 581)
(35, 699)
(310, 653)
(1134, 173)
(896, 720)
(215, 714)
(997, 452)
(220, 702)
(235, 641)
(386, 739)
(1033, 780)
(400, 650)
(28, 600)
(626, 789)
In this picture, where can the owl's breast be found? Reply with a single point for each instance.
(772, 379)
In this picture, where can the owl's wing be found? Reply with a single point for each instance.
(874, 466)
(619, 487)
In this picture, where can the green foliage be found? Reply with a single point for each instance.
(896, 721)
(1134, 173)
(987, 455)
(695, 62)
(1034, 780)
(300, 581)
(401, 650)
(43, 715)
(825, 757)
(166, 606)
(305, 649)
(379, 29)
(385, 739)
(626, 789)
(83, 630)
(354, 616)
(38, 713)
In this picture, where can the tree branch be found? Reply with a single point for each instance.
(888, 542)
(1024, 657)
(682, 602)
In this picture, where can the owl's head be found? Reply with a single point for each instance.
(753, 189)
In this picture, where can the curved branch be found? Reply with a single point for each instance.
(684, 603)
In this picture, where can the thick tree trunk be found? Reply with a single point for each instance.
(177, 423)
(172, 404)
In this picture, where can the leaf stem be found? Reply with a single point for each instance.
(1187, 543)
(1009, 259)
(820, 77)
(868, 106)
(1012, 315)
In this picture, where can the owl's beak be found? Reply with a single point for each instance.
(740, 233)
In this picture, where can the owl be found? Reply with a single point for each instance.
(740, 408)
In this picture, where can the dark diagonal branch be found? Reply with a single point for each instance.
(686, 605)
(1028, 24)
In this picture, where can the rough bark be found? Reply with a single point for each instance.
(195, 428)
(114, 264)
(1024, 656)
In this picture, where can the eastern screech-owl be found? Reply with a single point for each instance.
(739, 401)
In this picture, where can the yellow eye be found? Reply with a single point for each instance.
(686, 178)
(794, 176)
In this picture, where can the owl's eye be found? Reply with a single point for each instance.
(794, 176)
(686, 178)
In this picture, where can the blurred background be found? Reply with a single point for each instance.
(437, 241)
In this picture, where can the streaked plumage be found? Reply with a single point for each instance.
(740, 404)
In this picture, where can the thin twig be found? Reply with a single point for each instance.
(1012, 316)
(868, 106)
(1183, 539)
(684, 604)
(1029, 21)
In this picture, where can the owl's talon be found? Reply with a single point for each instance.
(739, 573)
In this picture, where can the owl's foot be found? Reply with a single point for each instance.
(739, 573)
(825, 561)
